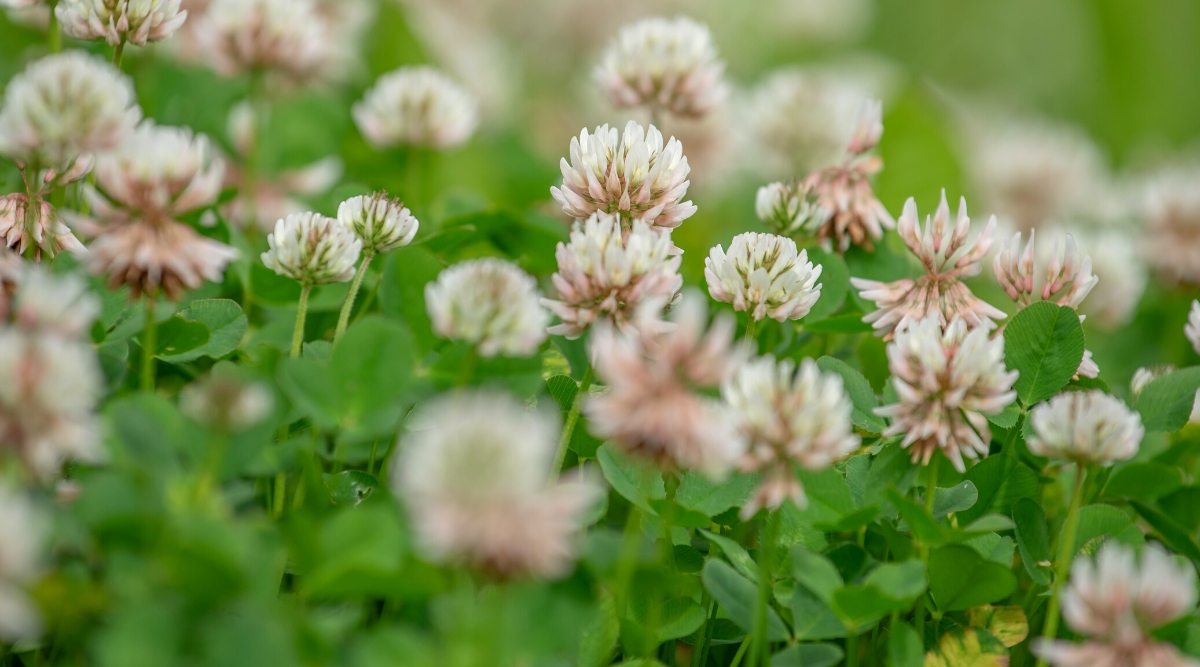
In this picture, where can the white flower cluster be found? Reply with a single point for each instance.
(20, 563)
(312, 249)
(1088, 427)
(285, 37)
(764, 275)
(120, 21)
(417, 106)
(490, 304)
(381, 223)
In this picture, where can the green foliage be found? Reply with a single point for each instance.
(1044, 343)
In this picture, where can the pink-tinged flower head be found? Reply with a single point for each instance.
(474, 475)
(1192, 328)
(283, 37)
(156, 175)
(789, 417)
(41, 228)
(24, 530)
(764, 275)
(1066, 281)
(605, 274)
(120, 21)
(1091, 427)
(632, 174)
(653, 406)
(417, 106)
(489, 303)
(1116, 602)
(947, 258)
(663, 65)
(947, 381)
(1170, 243)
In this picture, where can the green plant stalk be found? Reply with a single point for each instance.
(118, 54)
(560, 456)
(279, 498)
(210, 474)
(54, 31)
(737, 657)
(1066, 549)
(930, 496)
(627, 560)
(301, 316)
(851, 649)
(149, 342)
(766, 556)
(700, 650)
(466, 370)
(749, 342)
(348, 306)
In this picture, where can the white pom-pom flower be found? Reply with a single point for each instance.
(490, 304)
(58, 304)
(764, 275)
(1088, 427)
(782, 207)
(284, 37)
(382, 224)
(121, 21)
(1122, 273)
(312, 249)
(226, 401)
(417, 106)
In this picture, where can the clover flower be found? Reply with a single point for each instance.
(632, 174)
(605, 275)
(764, 275)
(489, 303)
(1192, 328)
(474, 475)
(42, 228)
(156, 175)
(226, 401)
(55, 304)
(663, 65)
(64, 106)
(782, 207)
(1116, 602)
(653, 406)
(947, 381)
(1086, 427)
(1170, 243)
(284, 37)
(120, 21)
(417, 106)
(1122, 274)
(947, 259)
(789, 417)
(382, 224)
(312, 249)
(20, 562)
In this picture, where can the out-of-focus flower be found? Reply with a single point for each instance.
(42, 228)
(224, 400)
(947, 258)
(764, 275)
(947, 381)
(652, 407)
(21, 4)
(417, 106)
(312, 249)
(284, 37)
(64, 106)
(1117, 602)
(1171, 241)
(663, 65)
(1087, 427)
(783, 207)
(789, 417)
(1192, 328)
(474, 475)
(1146, 375)
(381, 223)
(55, 304)
(20, 561)
(347, 22)
(120, 21)
(636, 177)
(605, 275)
(490, 304)
(1122, 275)
(156, 175)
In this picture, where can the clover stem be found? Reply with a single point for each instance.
(1066, 549)
(930, 495)
(148, 345)
(301, 315)
(560, 456)
(119, 54)
(348, 306)
(766, 557)
(54, 31)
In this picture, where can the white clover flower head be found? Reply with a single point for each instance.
(55, 303)
(20, 562)
(1122, 273)
(1192, 328)
(632, 174)
(653, 407)
(764, 275)
(41, 228)
(1087, 427)
(663, 65)
(489, 303)
(947, 381)
(284, 37)
(417, 106)
(947, 258)
(381, 223)
(1066, 281)
(64, 106)
(120, 21)
(782, 207)
(605, 274)
(789, 417)
(474, 475)
(21, 4)
(1116, 602)
(312, 249)
(226, 401)
(1170, 243)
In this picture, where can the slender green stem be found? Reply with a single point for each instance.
(699, 651)
(280, 495)
(737, 657)
(851, 649)
(301, 316)
(119, 54)
(54, 31)
(1066, 550)
(466, 369)
(371, 460)
(631, 541)
(149, 344)
(252, 160)
(930, 497)
(750, 343)
(766, 557)
(348, 306)
(572, 420)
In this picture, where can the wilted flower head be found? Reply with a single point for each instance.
(653, 407)
(490, 304)
(789, 417)
(636, 176)
(156, 175)
(1192, 328)
(475, 477)
(948, 258)
(783, 207)
(381, 223)
(120, 21)
(55, 304)
(663, 65)
(417, 106)
(20, 561)
(226, 401)
(284, 37)
(605, 275)
(1117, 602)
(764, 275)
(64, 106)
(41, 228)
(312, 249)
(1089, 427)
(947, 381)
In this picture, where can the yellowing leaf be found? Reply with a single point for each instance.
(968, 647)
(1007, 624)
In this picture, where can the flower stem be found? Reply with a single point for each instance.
(1066, 550)
(700, 651)
(930, 497)
(301, 315)
(119, 54)
(852, 649)
(148, 345)
(348, 306)
(54, 31)
(572, 420)
(766, 558)
(750, 342)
